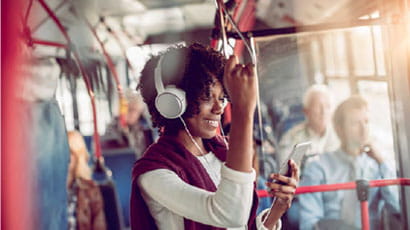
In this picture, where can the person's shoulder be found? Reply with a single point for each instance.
(295, 130)
(154, 148)
(327, 159)
(158, 151)
(331, 135)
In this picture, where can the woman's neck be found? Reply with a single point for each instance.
(195, 145)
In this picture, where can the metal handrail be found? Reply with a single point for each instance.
(84, 74)
(358, 185)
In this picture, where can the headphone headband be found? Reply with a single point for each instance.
(170, 101)
(159, 86)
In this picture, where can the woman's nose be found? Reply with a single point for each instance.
(218, 107)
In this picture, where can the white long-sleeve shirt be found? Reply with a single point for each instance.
(170, 199)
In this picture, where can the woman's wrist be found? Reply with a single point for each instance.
(242, 112)
(271, 218)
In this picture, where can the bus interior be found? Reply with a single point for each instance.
(68, 65)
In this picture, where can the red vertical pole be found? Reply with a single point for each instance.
(245, 22)
(362, 189)
(364, 209)
(17, 199)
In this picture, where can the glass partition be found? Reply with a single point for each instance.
(348, 61)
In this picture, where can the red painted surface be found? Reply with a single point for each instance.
(16, 202)
(364, 210)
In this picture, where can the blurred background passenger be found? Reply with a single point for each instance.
(86, 206)
(357, 158)
(135, 131)
(317, 128)
(317, 107)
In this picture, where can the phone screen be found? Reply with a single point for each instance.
(297, 154)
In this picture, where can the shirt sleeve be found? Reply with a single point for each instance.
(228, 207)
(259, 222)
(390, 194)
(311, 204)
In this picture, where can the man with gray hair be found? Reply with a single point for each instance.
(317, 107)
(317, 128)
(357, 158)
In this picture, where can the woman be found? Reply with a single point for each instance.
(190, 178)
(86, 206)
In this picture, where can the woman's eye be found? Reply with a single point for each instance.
(223, 100)
(205, 99)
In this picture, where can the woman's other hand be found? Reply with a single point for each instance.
(283, 188)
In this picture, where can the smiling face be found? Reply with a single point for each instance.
(205, 123)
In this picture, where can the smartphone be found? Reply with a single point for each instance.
(297, 154)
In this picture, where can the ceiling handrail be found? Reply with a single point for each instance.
(84, 74)
(120, 44)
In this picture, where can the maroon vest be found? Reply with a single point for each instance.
(169, 154)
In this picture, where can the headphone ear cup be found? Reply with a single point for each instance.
(171, 103)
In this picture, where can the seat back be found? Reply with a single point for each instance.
(112, 208)
(102, 175)
(120, 162)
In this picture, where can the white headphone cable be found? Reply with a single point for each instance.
(223, 135)
(211, 169)
(190, 136)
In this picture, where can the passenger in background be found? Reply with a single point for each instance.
(317, 128)
(86, 206)
(134, 132)
(317, 107)
(357, 158)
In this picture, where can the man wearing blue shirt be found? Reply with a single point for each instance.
(357, 158)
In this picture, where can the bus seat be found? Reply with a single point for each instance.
(121, 161)
(112, 208)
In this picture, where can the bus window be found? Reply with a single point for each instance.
(351, 60)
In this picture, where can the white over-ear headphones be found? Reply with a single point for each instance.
(170, 101)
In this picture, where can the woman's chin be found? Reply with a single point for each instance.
(209, 135)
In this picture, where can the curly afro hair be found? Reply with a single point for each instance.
(193, 69)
